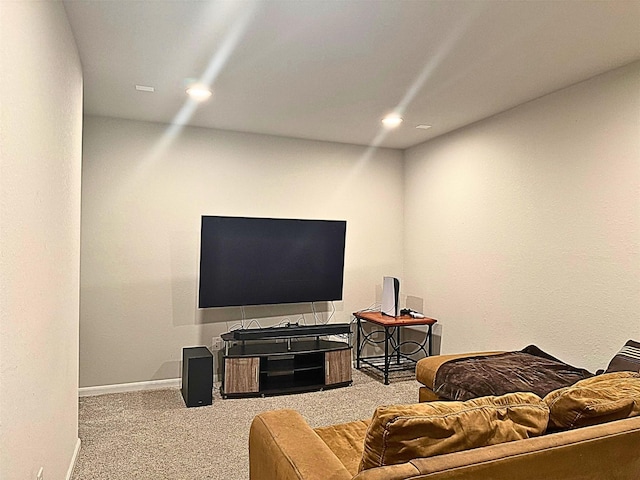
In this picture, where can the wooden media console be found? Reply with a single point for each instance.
(278, 360)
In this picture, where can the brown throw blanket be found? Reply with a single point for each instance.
(529, 370)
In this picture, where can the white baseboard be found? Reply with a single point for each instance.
(74, 458)
(129, 387)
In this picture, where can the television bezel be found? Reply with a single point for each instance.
(275, 301)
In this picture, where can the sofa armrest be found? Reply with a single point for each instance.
(282, 446)
(427, 367)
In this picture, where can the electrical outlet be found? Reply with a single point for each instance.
(40, 475)
(217, 343)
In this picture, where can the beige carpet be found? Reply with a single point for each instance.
(152, 435)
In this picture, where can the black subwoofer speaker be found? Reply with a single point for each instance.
(197, 376)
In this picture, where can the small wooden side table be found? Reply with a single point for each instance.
(391, 327)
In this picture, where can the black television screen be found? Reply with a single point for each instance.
(259, 261)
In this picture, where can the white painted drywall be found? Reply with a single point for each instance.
(519, 229)
(525, 228)
(40, 172)
(141, 209)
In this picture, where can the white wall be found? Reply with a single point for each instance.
(525, 228)
(40, 170)
(141, 208)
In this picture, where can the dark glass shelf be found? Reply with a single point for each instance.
(283, 348)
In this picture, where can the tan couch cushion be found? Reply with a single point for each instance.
(399, 433)
(606, 397)
(346, 441)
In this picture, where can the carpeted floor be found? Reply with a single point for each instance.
(152, 435)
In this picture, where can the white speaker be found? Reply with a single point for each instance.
(390, 291)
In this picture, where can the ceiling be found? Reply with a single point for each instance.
(330, 70)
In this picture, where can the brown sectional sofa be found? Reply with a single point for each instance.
(283, 446)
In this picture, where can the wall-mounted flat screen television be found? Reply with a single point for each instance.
(261, 261)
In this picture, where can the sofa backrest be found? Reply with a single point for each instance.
(608, 451)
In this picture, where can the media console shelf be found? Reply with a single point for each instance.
(277, 360)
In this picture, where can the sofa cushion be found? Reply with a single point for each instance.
(606, 397)
(399, 433)
(346, 441)
(627, 359)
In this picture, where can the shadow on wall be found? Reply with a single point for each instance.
(256, 315)
(404, 301)
(417, 335)
(415, 303)
(183, 260)
(437, 339)
(172, 369)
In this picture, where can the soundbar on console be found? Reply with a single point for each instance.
(284, 332)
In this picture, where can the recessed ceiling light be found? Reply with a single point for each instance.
(423, 127)
(199, 93)
(145, 88)
(392, 120)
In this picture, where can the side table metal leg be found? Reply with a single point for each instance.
(430, 333)
(386, 355)
(398, 345)
(358, 346)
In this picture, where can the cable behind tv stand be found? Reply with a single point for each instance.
(278, 360)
